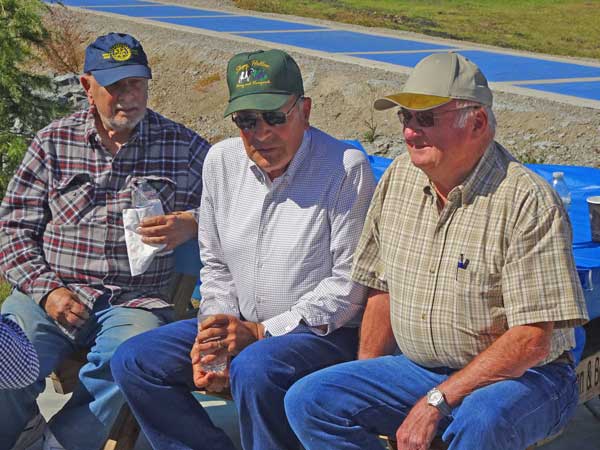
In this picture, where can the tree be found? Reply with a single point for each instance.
(23, 107)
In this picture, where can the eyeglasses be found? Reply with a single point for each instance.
(247, 120)
(426, 119)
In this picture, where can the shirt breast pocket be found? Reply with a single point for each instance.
(479, 305)
(72, 200)
(165, 188)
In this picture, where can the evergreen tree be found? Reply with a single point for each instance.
(23, 107)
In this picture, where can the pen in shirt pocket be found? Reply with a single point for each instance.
(462, 263)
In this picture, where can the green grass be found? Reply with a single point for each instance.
(4, 290)
(567, 27)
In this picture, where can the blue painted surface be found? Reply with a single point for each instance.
(88, 3)
(501, 67)
(158, 11)
(399, 59)
(337, 41)
(239, 23)
(583, 89)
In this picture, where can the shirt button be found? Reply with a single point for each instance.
(432, 269)
(423, 316)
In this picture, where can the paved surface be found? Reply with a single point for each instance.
(562, 79)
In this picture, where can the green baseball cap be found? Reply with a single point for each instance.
(437, 79)
(262, 80)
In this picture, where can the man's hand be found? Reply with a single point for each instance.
(419, 428)
(232, 333)
(220, 332)
(171, 229)
(63, 306)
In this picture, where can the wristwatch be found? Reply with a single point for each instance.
(436, 398)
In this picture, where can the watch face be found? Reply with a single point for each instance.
(436, 397)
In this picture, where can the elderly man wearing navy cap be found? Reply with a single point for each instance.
(62, 244)
(467, 256)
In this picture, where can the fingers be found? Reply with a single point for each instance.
(74, 320)
(154, 221)
(217, 320)
(64, 306)
(79, 310)
(200, 377)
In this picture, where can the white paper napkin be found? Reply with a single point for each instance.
(139, 253)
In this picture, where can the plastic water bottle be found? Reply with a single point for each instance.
(143, 195)
(219, 364)
(560, 185)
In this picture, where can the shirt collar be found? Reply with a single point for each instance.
(472, 183)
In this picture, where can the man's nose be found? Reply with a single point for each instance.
(412, 129)
(262, 129)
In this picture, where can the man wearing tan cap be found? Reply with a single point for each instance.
(467, 256)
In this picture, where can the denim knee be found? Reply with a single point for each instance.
(256, 370)
(124, 360)
(480, 427)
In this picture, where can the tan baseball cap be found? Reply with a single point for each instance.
(437, 79)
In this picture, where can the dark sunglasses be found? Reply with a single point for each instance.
(426, 119)
(247, 120)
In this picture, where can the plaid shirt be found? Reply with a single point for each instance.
(281, 252)
(61, 221)
(19, 365)
(498, 255)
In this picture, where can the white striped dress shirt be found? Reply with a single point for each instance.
(280, 252)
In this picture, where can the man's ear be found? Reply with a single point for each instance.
(306, 107)
(86, 83)
(480, 122)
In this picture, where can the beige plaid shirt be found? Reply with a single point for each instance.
(498, 255)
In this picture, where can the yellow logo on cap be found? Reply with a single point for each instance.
(120, 52)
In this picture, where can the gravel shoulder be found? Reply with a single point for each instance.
(189, 86)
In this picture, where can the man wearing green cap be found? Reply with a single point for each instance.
(63, 247)
(282, 209)
(467, 257)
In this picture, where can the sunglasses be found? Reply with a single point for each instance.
(426, 119)
(247, 120)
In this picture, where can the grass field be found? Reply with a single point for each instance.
(566, 27)
(4, 291)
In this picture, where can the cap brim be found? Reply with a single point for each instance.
(417, 102)
(260, 102)
(107, 77)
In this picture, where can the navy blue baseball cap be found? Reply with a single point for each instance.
(115, 56)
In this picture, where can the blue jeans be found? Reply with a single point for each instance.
(85, 420)
(347, 406)
(157, 384)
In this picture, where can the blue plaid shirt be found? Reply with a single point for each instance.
(19, 365)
